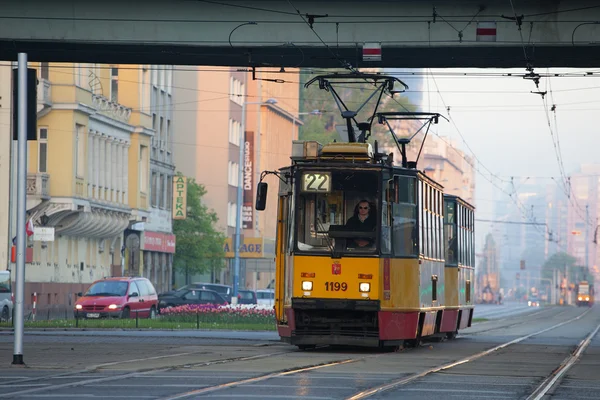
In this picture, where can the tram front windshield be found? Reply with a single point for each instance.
(337, 201)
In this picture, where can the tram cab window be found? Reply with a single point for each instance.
(330, 203)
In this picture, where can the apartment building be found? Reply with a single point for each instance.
(88, 177)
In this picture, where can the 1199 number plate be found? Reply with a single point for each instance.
(336, 286)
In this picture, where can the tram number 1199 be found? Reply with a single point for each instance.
(336, 286)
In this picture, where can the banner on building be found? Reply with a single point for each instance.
(158, 241)
(251, 247)
(179, 197)
(247, 208)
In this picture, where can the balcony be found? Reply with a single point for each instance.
(38, 189)
(44, 94)
(111, 109)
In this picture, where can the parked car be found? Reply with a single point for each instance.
(191, 296)
(6, 296)
(265, 297)
(224, 290)
(246, 297)
(122, 297)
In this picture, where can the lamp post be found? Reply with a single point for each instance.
(240, 191)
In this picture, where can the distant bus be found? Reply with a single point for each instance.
(6, 302)
(585, 294)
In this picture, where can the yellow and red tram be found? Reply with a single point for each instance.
(361, 251)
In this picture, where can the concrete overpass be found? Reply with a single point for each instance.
(412, 33)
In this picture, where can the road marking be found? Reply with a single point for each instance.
(403, 381)
(551, 381)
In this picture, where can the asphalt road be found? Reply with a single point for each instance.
(136, 365)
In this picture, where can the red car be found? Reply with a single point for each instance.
(118, 298)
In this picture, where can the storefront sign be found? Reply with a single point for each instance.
(251, 247)
(158, 241)
(248, 209)
(179, 197)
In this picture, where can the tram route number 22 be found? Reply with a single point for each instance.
(336, 286)
(316, 182)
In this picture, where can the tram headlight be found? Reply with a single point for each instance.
(580, 298)
(307, 286)
(364, 287)
(587, 299)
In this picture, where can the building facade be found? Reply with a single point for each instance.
(88, 176)
(209, 123)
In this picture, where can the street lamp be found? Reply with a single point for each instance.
(240, 192)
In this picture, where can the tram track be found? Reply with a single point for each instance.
(139, 372)
(527, 320)
(413, 377)
(548, 385)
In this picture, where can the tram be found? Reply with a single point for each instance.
(361, 244)
(585, 294)
(459, 230)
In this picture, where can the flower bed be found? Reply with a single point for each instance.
(221, 316)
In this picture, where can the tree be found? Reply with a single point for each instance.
(322, 127)
(561, 261)
(199, 243)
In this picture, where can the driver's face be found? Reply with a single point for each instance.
(363, 209)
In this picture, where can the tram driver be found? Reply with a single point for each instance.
(363, 220)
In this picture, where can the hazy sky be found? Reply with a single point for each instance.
(506, 127)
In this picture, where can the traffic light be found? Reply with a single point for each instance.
(31, 104)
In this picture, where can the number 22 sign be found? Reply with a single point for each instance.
(319, 182)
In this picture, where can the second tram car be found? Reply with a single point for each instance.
(459, 226)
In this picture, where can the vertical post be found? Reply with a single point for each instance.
(238, 210)
(21, 209)
(587, 241)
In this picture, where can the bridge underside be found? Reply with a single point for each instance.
(411, 57)
(267, 33)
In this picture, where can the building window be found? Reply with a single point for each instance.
(143, 165)
(154, 189)
(80, 151)
(169, 193)
(231, 214)
(114, 85)
(232, 173)
(145, 90)
(43, 150)
(235, 130)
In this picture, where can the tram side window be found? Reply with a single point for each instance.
(450, 233)
(405, 218)
(386, 226)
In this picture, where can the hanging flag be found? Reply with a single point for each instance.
(29, 227)
(371, 52)
(486, 32)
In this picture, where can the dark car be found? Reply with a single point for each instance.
(224, 290)
(191, 296)
(246, 297)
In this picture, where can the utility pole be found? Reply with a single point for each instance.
(21, 209)
(587, 228)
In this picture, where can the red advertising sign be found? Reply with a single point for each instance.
(158, 241)
(247, 208)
